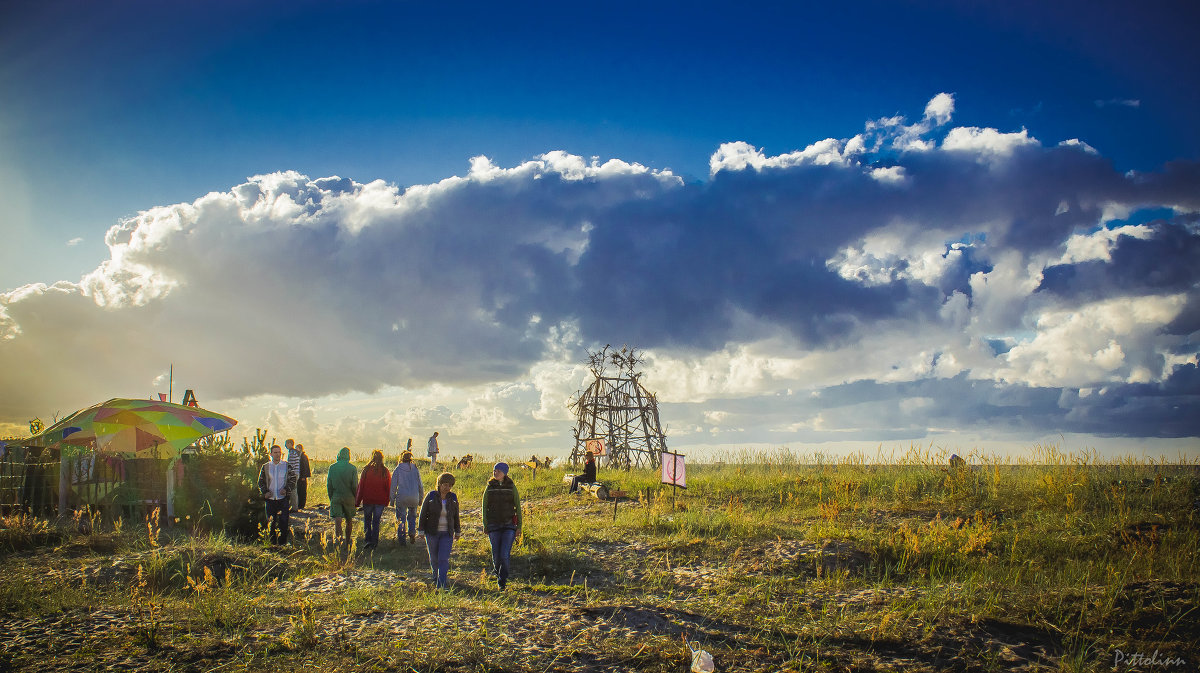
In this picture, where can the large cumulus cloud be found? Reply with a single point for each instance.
(940, 268)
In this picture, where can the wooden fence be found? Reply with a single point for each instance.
(31, 481)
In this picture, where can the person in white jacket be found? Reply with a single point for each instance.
(406, 496)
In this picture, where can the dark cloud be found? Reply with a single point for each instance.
(1168, 261)
(1168, 409)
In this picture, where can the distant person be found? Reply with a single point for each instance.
(302, 481)
(440, 527)
(373, 486)
(293, 460)
(406, 496)
(957, 463)
(432, 450)
(341, 483)
(276, 481)
(501, 519)
(589, 473)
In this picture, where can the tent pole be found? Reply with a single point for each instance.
(64, 482)
(171, 490)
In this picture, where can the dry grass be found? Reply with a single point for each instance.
(770, 563)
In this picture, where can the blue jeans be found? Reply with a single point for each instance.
(439, 557)
(403, 513)
(277, 515)
(502, 542)
(371, 516)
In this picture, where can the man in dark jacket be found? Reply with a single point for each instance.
(276, 480)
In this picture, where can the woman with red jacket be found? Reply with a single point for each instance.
(374, 488)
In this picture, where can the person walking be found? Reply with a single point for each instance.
(303, 477)
(341, 483)
(440, 527)
(373, 486)
(406, 496)
(501, 519)
(432, 450)
(276, 481)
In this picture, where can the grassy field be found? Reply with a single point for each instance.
(1059, 562)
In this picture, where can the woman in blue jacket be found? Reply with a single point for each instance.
(406, 496)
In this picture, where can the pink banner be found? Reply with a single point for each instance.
(673, 470)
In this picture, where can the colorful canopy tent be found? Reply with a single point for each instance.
(128, 428)
(133, 429)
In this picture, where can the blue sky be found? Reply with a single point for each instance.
(113, 111)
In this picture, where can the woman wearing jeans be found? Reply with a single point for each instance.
(440, 528)
(406, 496)
(374, 487)
(501, 519)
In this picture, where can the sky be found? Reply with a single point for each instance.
(856, 228)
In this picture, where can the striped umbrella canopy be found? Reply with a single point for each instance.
(133, 429)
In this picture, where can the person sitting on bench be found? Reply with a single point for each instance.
(588, 476)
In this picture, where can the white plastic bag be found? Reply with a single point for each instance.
(702, 662)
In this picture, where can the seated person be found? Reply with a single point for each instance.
(588, 476)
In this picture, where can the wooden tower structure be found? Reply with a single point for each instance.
(618, 409)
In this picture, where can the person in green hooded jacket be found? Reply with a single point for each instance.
(342, 485)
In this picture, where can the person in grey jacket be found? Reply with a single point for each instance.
(276, 481)
(406, 496)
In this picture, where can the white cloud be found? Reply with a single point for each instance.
(739, 155)
(987, 144)
(1075, 142)
(1104, 342)
(939, 109)
(1098, 245)
(889, 174)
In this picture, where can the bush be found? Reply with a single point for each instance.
(219, 490)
